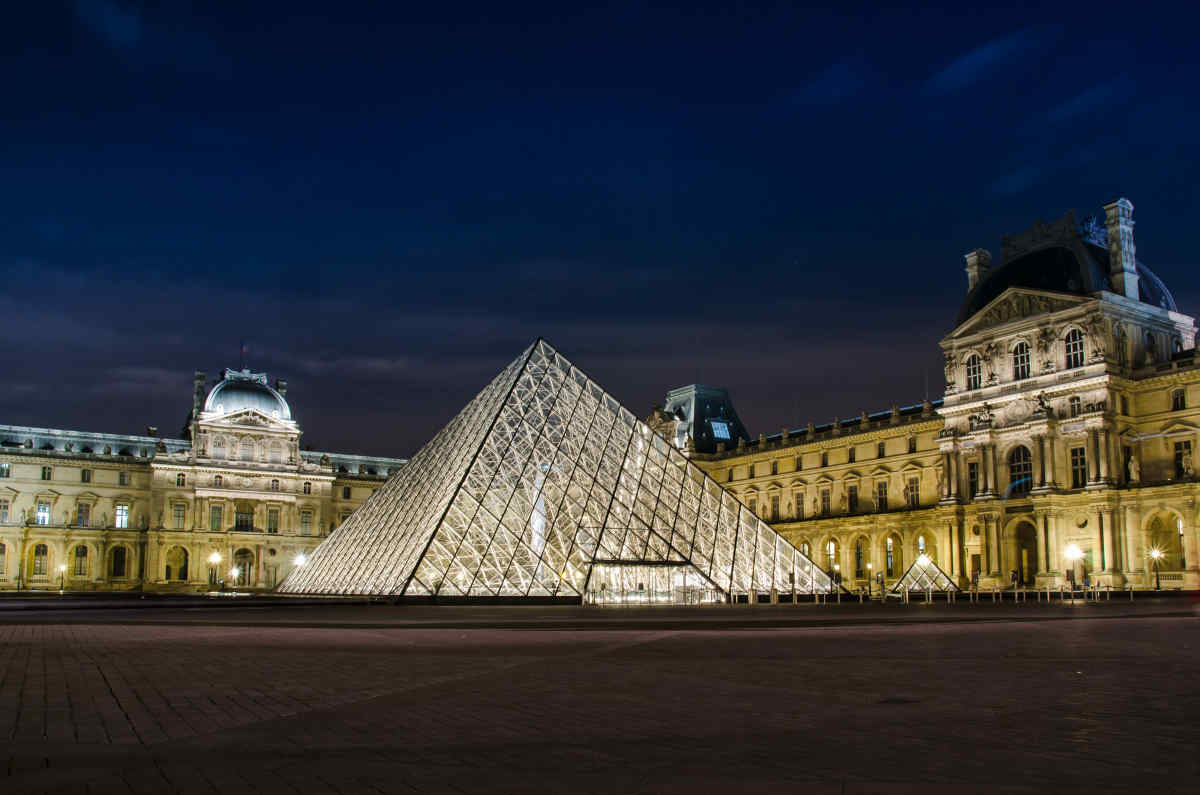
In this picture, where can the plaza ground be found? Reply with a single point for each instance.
(190, 696)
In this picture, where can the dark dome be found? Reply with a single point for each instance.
(1060, 269)
(240, 391)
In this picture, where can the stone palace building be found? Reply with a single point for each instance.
(235, 500)
(1063, 445)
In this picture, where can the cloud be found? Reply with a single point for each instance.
(1016, 181)
(1094, 98)
(120, 28)
(836, 83)
(987, 59)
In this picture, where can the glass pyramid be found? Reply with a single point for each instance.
(924, 575)
(545, 486)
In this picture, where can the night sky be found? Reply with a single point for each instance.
(388, 202)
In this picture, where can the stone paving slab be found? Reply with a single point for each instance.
(1101, 702)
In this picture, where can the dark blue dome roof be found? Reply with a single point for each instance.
(1080, 269)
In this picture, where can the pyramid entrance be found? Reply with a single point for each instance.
(545, 487)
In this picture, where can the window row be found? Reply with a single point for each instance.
(823, 501)
(47, 473)
(753, 470)
(1073, 348)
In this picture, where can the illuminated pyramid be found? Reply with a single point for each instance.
(545, 486)
(924, 575)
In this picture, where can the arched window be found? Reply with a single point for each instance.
(218, 481)
(81, 561)
(889, 549)
(1020, 470)
(805, 549)
(307, 487)
(859, 563)
(177, 564)
(1074, 343)
(920, 545)
(1020, 357)
(39, 559)
(830, 554)
(974, 372)
(180, 479)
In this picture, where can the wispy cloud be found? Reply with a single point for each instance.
(1094, 98)
(117, 26)
(836, 83)
(1016, 181)
(988, 59)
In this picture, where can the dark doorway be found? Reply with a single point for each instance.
(1027, 554)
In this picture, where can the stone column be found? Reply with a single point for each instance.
(1106, 538)
(1042, 524)
(1052, 550)
(948, 559)
(1050, 479)
(985, 484)
(992, 526)
(995, 482)
(1102, 448)
(954, 474)
(1039, 479)
(1133, 539)
(1190, 554)
(945, 476)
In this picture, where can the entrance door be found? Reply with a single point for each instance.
(1027, 553)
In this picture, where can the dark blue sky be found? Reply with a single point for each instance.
(389, 202)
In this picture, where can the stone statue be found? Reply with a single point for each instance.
(160, 446)
(1097, 332)
(842, 503)
(1186, 464)
(1043, 404)
(815, 506)
(1134, 469)
(951, 365)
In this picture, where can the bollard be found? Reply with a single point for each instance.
(1130, 587)
(995, 593)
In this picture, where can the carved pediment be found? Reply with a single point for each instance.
(1016, 304)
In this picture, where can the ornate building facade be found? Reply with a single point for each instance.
(235, 499)
(1062, 448)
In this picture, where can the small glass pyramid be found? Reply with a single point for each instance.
(924, 575)
(545, 486)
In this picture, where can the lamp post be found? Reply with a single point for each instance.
(233, 574)
(62, 577)
(1156, 555)
(869, 578)
(1072, 553)
(300, 559)
(214, 560)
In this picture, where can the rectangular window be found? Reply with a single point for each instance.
(118, 562)
(914, 493)
(80, 562)
(881, 496)
(799, 505)
(346, 489)
(824, 502)
(122, 517)
(859, 572)
(879, 450)
(85, 476)
(852, 498)
(774, 467)
(3, 511)
(824, 459)
(753, 505)
(243, 521)
(180, 515)
(774, 509)
(47, 473)
(1078, 467)
(83, 514)
(214, 518)
(799, 463)
(752, 470)
(1178, 401)
(1125, 405)
(43, 513)
(912, 444)
(850, 454)
(1183, 460)
(972, 478)
(1075, 406)
(306, 523)
(5, 470)
(39, 560)
(122, 478)
(272, 520)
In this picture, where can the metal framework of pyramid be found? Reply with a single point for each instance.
(924, 575)
(545, 486)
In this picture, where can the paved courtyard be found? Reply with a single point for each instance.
(372, 699)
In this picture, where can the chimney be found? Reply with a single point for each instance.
(1122, 259)
(978, 262)
(281, 386)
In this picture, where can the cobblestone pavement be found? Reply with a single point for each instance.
(1104, 700)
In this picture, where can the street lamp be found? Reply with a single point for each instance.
(869, 576)
(233, 574)
(214, 558)
(300, 559)
(1156, 555)
(62, 577)
(1072, 553)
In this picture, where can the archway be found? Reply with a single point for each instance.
(1163, 534)
(243, 563)
(1026, 560)
(893, 556)
(177, 564)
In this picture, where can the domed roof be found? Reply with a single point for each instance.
(242, 389)
(1079, 267)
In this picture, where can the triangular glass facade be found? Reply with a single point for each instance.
(924, 575)
(544, 485)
